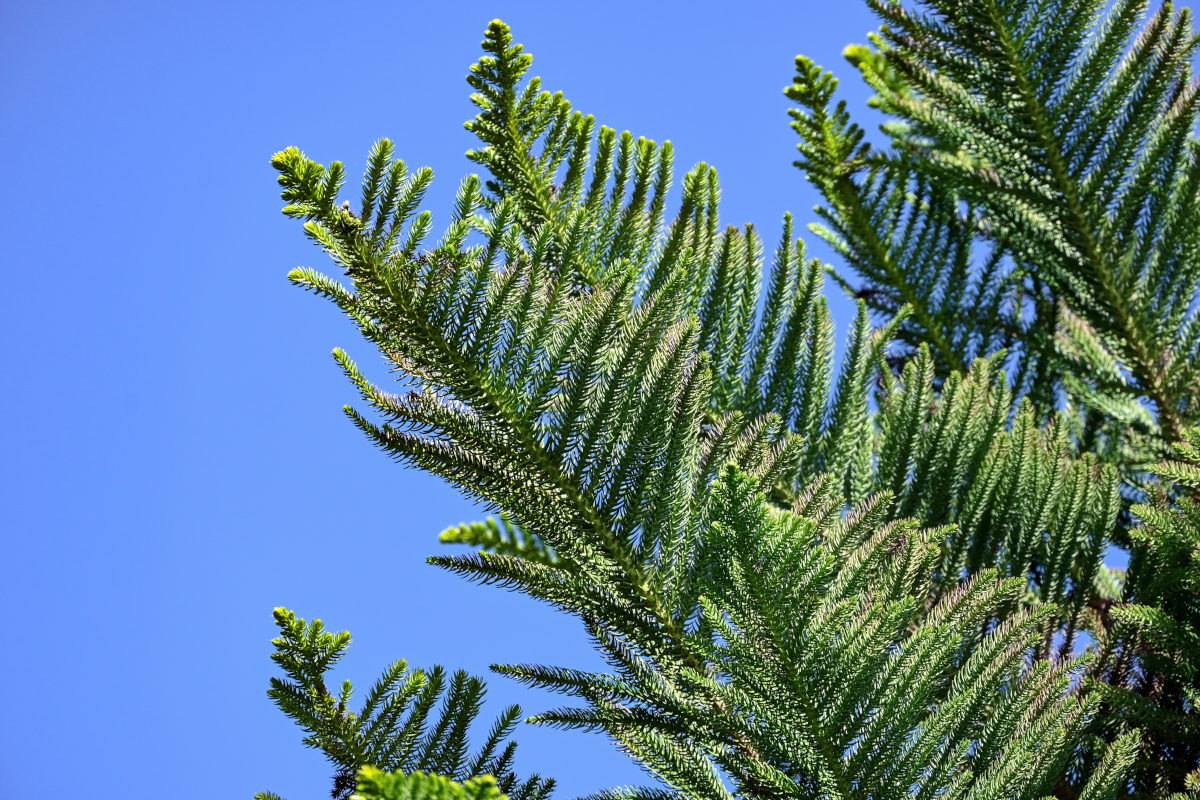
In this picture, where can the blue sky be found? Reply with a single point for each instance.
(175, 462)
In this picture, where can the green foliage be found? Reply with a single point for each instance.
(398, 726)
(865, 580)
(531, 137)
(546, 391)
(1039, 193)
(782, 365)
(1018, 501)
(504, 538)
(374, 784)
(777, 362)
(814, 666)
(593, 418)
(1038, 197)
(902, 234)
(1151, 658)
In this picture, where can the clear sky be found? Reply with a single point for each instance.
(175, 462)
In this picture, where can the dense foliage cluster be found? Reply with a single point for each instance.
(879, 578)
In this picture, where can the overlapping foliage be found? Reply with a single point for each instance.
(1150, 670)
(374, 784)
(865, 580)
(397, 729)
(1039, 192)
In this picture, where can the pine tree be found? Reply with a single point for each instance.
(1038, 193)
(866, 579)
